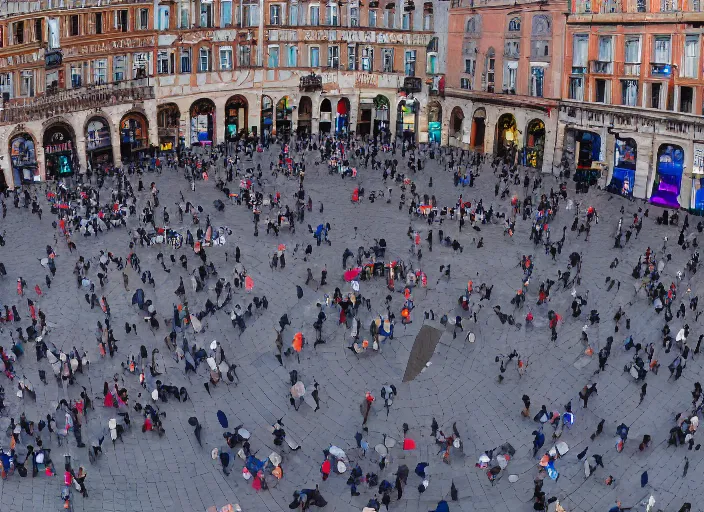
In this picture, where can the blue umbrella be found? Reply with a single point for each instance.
(222, 419)
(644, 479)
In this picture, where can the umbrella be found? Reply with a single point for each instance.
(298, 390)
(248, 283)
(275, 458)
(681, 336)
(409, 444)
(299, 292)
(297, 342)
(222, 419)
(644, 479)
(352, 274)
(282, 247)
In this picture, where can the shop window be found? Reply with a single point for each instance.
(686, 99)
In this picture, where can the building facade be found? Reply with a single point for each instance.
(633, 96)
(504, 80)
(86, 82)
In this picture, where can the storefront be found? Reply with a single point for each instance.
(624, 174)
(478, 130)
(381, 115)
(98, 143)
(506, 136)
(407, 119)
(202, 122)
(434, 122)
(342, 117)
(59, 151)
(236, 118)
(134, 137)
(535, 144)
(584, 149)
(267, 117)
(23, 157)
(305, 116)
(168, 118)
(697, 199)
(283, 117)
(668, 176)
(325, 124)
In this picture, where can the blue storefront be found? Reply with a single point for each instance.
(624, 174)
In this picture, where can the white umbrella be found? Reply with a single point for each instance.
(681, 336)
(337, 452)
(298, 390)
(275, 458)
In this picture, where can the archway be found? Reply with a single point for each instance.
(624, 174)
(98, 143)
(407, 119)
(23, 159)
(203, 122)
(535, 144)
(305, 116)
(236, 118)
(134, 136)
(342, 116)
(168, 118)
(583, 148)
(325, 116)
(478, 130)
(455, 128)
(434, 122)
(59, 150)
(267, 117)
(381, 116)
(506, 135)
(283, 118)
(668, 176)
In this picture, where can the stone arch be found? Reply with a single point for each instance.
(22, 147)
(134, 135)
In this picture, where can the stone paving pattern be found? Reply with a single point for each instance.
(173, 473)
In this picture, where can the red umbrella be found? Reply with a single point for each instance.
(352, 274)
(409, 444)
(248, 283)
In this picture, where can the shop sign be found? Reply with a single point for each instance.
(367, 36)
(209, 35)
(166, 146)
(25, 58)
(283, 35)
(110, 46)
(366, 80)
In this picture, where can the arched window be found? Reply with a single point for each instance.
(541, 25)
(514, 25)
(473, 25)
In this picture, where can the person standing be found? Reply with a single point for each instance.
(366, 407)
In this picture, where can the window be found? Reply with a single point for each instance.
(184, 17)
(162, 62)
(333, 56)
(372, 18)
(406, 21)
(251, 15)
(469, 66)
(629, 93)
(6, 85)
(314, 17)
(226, 14)
(292, 56)
(514, 25)
(53, 33)
(427, 21)
(661, 50)
(225, 58)
(119, 67)
(293, 15)
(367, 59)
(491, 72)
(245, 55)
(691, 57)
(686, 99)
(17, 36)
(163, 17)
(600, 90)
(185, 60)
(656, 95)
(606, 55)
(431, 63)
(38, 30)
(76, 75)
(203, 60)
(206, 15)
(273, 57)
(315, 57)
(510, 76)
(275, 14)
(141, 65)
(143, 19)
(331, 15)
(580, 49)
(576, 91)
(387, 57)
(410, 63)
(351, 57)
(512, 48)
(74, 25)
(465, 83)
(354, 16)
(540, 49)
(388, 18)
(27, 84)
(100, 71)
(121, 20)
(632, 56)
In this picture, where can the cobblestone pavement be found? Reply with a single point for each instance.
(461, 385)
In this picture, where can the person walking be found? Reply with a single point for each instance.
(643, 391)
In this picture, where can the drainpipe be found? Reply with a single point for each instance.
(260, 40)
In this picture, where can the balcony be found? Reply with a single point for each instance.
(28, 6)
(73, 100)
(311, 83)
(602, 67)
